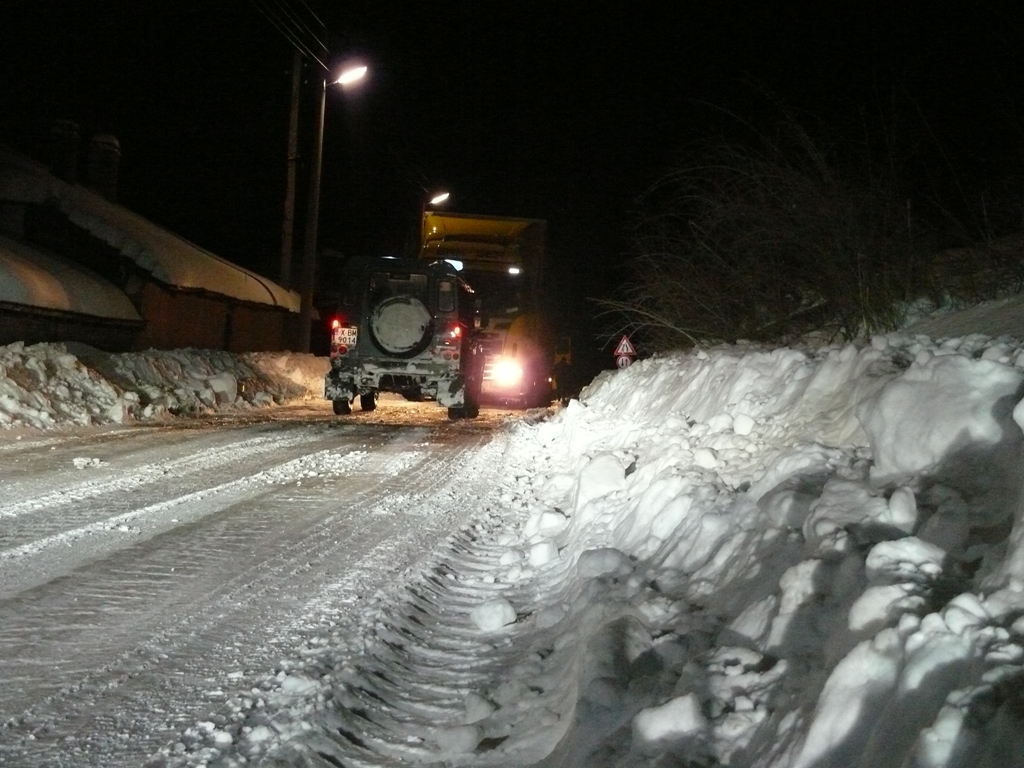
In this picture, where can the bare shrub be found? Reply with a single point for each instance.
(765, 239)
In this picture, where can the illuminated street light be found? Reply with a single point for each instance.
(436, 199)
(348, 76)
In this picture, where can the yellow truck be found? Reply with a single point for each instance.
(502, 258)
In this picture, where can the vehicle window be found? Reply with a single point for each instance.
(446, 296)
(384, 285)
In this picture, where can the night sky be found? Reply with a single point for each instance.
(565, 111)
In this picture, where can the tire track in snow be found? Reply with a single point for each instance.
(405, 664)
(325, 462)
(120, 482)
(400, 692)
(314, 529)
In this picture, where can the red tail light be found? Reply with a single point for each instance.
(335, 323)
(456, 331)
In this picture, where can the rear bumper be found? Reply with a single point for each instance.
(431, 380)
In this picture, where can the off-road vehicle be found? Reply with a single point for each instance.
(404, 326)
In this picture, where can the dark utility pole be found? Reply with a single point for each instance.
(288, 225)
(307, 276)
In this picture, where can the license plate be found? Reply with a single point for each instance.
(346, 336)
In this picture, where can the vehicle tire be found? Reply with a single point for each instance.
(464, 412)
(542, 394)
(368, 402)
(473, 371)
(342, 407)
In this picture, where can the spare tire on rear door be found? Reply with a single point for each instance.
(401, 326)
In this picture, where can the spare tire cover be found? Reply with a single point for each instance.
(400, 324)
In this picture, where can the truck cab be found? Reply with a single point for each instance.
(503, 257)
(405, 326)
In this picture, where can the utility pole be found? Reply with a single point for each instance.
(307, 272)
(307, 276)
(288, 224)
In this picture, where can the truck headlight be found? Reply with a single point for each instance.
(507, 373)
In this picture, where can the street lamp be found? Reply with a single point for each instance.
(435, 199)
(307, 278)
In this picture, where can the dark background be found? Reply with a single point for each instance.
(564, 111)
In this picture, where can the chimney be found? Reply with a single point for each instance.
(103, 164)
(64, 150)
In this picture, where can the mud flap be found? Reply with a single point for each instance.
(451, 393)
(339, 388)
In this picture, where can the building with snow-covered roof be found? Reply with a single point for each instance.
(75, 265)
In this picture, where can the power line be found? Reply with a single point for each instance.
(313, 14)
(288, 30)
(301, 25)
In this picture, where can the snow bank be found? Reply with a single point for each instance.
(743, 557)
(44, 386)
(816, 536)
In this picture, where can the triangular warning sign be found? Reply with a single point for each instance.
(625, 347)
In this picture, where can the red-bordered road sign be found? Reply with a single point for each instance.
(625, 348)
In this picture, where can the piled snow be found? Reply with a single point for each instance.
(818, 541)
(44, 386)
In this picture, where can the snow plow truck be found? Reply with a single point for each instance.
(503, 259)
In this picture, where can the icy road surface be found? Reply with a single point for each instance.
(147, 573)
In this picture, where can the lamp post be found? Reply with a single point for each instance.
(435, 199)
(307, 277)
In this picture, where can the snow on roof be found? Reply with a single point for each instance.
(166, 256)
(39, 279)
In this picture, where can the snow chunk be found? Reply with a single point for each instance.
(493, 615)
(298, 685)
(603, 475)
(458, 739)
(882, 606)
(843, 503)
(545, 522)
(477, 708)
(679, 719)
(601, 562)
(224, 387)
(743, 425)
(949, 417)
(542, 553)
(904, 560)
(851, 701)
(705, 458)
(81, 462)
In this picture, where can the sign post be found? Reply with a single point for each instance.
(624, 353)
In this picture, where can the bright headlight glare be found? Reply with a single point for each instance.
(506, 373)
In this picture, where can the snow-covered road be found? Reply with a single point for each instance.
(146, 573)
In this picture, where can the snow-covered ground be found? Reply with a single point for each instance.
(739, 556)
